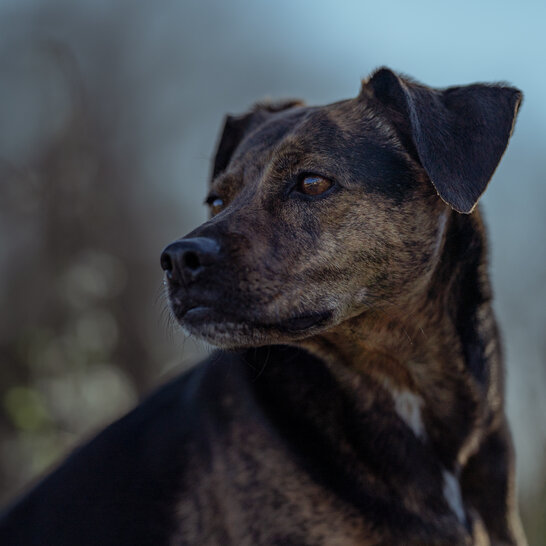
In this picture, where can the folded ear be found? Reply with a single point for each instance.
(459, 134)
(236, 127)
(232, 133)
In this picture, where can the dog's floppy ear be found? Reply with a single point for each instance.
(232, 133)
(236, 127)
(459, 134)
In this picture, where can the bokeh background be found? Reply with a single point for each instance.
(109, 113)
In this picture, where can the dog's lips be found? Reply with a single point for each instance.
(196, 313)
(304, 322)
(203, 314)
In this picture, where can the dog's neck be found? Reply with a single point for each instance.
(430, 359)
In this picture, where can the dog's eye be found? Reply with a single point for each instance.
(312, 184)
(216, 204)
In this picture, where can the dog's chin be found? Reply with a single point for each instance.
(231, 331)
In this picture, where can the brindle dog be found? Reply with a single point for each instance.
(360, 401)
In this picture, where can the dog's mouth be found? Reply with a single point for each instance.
(305, 322)
(222, 327)
(201, 314)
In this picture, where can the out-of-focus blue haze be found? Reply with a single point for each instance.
(154, 80)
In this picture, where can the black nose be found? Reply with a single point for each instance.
(186, 259)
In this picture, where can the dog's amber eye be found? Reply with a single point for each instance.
(314, 185)
(216, 204)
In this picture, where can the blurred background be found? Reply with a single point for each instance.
(109, 113)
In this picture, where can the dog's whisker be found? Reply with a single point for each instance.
(262, 369)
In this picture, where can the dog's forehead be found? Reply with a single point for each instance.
(347, 140)
(271, 131)
(314, 128)
(347, 116)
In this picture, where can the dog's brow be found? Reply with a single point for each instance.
(225, 181)
(286, 156)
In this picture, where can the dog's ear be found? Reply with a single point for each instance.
(233, 131)
(236, 127)
(458, 134)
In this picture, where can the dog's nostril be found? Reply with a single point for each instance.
(185, 259)
(191, 260)
(166, 262)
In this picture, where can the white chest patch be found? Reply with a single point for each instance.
(452, 494)
(408, 406)
(440, 233)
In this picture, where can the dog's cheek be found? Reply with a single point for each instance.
(379, 252)
(415, 249)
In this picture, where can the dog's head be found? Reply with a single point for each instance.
(319, 214)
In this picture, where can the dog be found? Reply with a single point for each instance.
(357, 396)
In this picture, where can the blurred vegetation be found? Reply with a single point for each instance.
(81, 297)
(90, 114)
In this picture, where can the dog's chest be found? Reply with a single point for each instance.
(256, 495)
(260, 494)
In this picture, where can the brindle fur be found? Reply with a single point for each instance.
(363, 384)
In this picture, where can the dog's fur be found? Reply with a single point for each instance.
(361, 399)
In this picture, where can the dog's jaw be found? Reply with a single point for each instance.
(229, 331)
